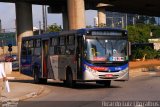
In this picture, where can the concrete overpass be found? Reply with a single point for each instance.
(73, 11)
(148, 7)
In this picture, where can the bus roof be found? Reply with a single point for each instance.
(90, 29)
(81, 31)
(43, 36)
(85, 30)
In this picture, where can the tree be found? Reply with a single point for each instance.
(139, 33)
(155, 31)
(88, 26)
(54, 28)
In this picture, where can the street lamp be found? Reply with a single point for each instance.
(44, 16)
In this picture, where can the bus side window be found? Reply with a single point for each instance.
(57, 49)
(37, 47)
(51, 46)
(30, 47)
(70, 45)
(24, 49)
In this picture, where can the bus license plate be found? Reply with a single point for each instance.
(109, 75)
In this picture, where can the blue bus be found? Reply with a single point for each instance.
(85, 55)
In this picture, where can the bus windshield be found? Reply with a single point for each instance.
(106, 50)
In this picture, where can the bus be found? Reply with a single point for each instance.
(85, 55)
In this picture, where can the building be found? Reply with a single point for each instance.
(119, 20)
(7, 38)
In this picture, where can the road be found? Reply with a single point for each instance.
(145, 88)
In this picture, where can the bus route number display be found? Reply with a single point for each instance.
(94, 33)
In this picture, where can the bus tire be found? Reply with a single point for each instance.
(43, 80)
(36, 76)
(107, 83)
(69, 80)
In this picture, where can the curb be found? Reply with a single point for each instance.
(137, 72)
(32, 95)
(27, 96)
(133, 72)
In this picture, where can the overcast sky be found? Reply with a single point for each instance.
(7, 16)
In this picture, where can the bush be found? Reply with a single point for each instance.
(139, 53)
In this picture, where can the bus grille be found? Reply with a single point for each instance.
(104, 77)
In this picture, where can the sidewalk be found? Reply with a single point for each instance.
(22, 86)
(142, 68)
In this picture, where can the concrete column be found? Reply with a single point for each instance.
(65, 21)
(76, 14)
(24, 23)
(101, 16)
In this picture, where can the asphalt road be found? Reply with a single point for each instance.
(146, 88)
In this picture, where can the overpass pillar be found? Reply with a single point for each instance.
(101, 16)
(76, 14)
(102, 13)
(24, 23)
(65, 21)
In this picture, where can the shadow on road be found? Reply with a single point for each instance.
(22, 81)
(82, 85)
(78, 85)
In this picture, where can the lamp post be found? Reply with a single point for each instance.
(126, 21)
(44, 17)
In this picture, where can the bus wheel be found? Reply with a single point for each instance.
(107, 83)
(43, 80)
(69, 80)
(36, 76)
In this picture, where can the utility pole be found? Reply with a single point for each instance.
(133, 21)
(126, 21)
(39, 27)
(122, 23)
(112, 22)
(0, 26)
(45, 10)
(44, 17)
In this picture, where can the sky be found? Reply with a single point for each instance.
(8, 16)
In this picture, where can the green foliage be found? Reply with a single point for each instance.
(102, 25)
(155, 31)
(139, 33)
(139, 53)
(150, 53)
(54, 28)
(88, 26)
